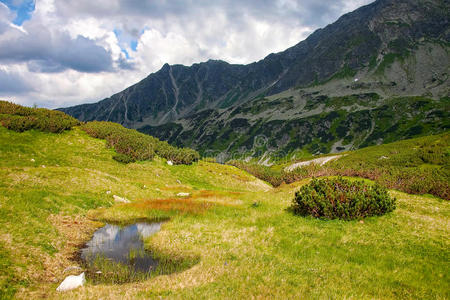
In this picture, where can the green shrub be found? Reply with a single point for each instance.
(123, 158)
(132, 145)
(20, 118)
(416, 166)
(265, 173)
(343, 199)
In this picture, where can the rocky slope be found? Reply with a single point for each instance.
(348, 85)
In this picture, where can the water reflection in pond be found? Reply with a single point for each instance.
(123, 245)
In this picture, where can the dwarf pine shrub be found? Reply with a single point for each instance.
(132, 145)
(416, 166)
(20, 118)
(341, 198)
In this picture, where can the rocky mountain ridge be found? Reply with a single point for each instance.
(382, 51)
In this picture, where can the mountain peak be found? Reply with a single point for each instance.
(387, 48)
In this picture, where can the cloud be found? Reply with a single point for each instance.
(72, 52)
(5, 18)
(12, 83)
(310, 13)
(44, 50)
(3, 26)
(125, 64)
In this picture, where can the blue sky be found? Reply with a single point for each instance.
(23, 9)
(126, 41)
(65, 52)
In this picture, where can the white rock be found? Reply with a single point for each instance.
(71, 282)
(120, 199)
(183, 195)
(32, 160)
(170, 163)
(356, 79)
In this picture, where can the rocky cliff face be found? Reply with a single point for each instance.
(388, 49)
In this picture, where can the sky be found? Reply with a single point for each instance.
(58, 53)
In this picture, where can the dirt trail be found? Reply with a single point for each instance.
(318, 161)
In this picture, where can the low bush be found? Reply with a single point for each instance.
(123, 158)
(416, 166)
(343, 199)
(20, 118)
(176, 155)
(132, 145)
(262, 172)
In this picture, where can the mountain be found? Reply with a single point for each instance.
(378, 74)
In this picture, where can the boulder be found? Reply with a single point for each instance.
(71, 282)
(120, 199)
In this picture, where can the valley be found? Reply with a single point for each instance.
(321, 171)
(233, 235)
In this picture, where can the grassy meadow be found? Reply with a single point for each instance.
(234, 233)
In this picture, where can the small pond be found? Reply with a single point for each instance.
(122, 245)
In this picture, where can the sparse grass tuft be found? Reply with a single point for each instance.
(104, 271)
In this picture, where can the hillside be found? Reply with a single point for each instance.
(232, 237)
(418, 166)
(350, 76)
(51, 181)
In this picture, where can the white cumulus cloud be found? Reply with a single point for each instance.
(72, 51)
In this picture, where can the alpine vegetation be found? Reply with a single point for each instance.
(20, 118)
(132, 145)
(340, 198)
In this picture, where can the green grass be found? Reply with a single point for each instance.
(235, 249)
(418, 166)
